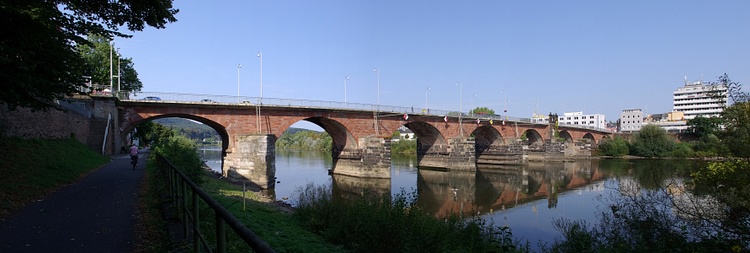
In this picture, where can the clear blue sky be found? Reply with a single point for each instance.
(548, 56)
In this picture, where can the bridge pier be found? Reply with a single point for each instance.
(459, 155)
(254, 159)
(371, 160)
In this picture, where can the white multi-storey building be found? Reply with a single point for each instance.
(700, 98)
(578, 118)
(631, 120)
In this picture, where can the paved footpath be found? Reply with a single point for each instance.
(95, 214)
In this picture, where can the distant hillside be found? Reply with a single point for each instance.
(294, 130)
(304, 139)
(192, 129)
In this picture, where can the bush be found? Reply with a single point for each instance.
(683, 150)
(614, 147)
(652, 141)
(182, 152)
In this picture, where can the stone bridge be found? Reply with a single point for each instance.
(361, 138)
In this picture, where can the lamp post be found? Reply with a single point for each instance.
(473, 109)
(377, 70)
(239, 66)
(377, 128)
(119, 71)
(260, 55)
(425, 97)
(345, 79)
(460, 99)
(505, 105)
(111, 46)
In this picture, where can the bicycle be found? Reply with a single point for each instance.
(134, 161)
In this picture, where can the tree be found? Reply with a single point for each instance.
(96, 58)
(614, 147)
(39, 62)
(733, 90)
(652, 141)
(703, 126)
(482, 111)
(736, 133)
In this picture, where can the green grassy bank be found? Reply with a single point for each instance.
(33, 168)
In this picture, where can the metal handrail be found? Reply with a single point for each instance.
(180, 186)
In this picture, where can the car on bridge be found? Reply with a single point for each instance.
(206, 100)
(152, 98)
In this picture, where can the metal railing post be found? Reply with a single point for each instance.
(221, 240)
(184, 208)
(196, 222)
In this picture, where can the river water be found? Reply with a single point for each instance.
(528, 198)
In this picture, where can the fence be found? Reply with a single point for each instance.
(181, 188)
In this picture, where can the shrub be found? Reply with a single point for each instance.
(182, 152)
(652, 141)
(614, 147)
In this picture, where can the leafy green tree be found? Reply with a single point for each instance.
(617, 146)
(150, 132)
(736, 133)
(39, 61)
(96, 57)
(482, 111)
(652, 141)
(702, 126)
(710, 146)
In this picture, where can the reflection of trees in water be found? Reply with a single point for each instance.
(657, 209)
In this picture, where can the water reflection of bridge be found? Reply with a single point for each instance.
(446, 192)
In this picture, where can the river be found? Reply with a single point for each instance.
(528, 199)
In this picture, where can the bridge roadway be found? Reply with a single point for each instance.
(361, 133)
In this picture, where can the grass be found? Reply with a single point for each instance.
(150, 227)
(34, 168)
(275, 225)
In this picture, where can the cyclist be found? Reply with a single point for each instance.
(134, 154)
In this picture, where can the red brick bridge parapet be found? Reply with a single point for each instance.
(361, 138)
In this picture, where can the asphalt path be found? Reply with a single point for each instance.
(95, 214)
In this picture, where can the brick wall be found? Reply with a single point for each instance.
(52, 123)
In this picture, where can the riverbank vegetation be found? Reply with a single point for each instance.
(34, 168)
(374, 223)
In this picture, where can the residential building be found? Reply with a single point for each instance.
(631, 120)
(700, 99)
(578, 118)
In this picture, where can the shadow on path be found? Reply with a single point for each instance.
(95, 214)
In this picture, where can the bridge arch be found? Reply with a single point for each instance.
(533, 137)
(565, 135)
(341, 137)
(214, 125)
(589, 137)
(486, 137)
(427, 134)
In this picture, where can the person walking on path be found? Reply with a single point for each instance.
(95, 214)
(134, 154)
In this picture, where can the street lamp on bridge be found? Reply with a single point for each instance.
(425, 98)
(472, 105)
(345, 79)
(460, 99)
(260, 55)
(239, 66)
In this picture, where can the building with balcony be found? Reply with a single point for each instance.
(700, 99)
